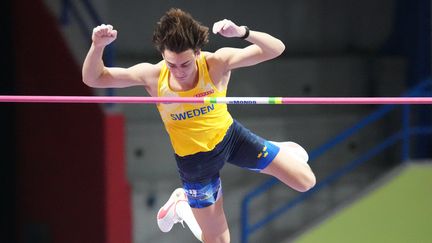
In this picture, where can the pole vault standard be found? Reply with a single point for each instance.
(216, 100)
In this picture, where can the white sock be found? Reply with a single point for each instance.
(184, 211)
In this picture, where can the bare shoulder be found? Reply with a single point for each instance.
(225, 57)
(215, 60)
(209, 56)
(217, 67)
(221, 54)
(146, 70)
(148, 74)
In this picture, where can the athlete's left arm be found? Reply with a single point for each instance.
(264, 46)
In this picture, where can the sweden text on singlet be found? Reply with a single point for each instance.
(192, 113)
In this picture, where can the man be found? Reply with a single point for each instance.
(204, 137)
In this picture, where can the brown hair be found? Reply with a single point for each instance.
(178, 31)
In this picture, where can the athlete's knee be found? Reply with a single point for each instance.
(307, 182)
(297, 175)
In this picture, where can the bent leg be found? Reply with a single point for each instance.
(213, 223)
(290, 166)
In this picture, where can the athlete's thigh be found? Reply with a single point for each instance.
(250, 150)
(291, 169)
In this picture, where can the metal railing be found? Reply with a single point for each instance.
(404, 135)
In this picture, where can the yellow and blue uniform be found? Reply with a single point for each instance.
(194, 127)
(205, 136)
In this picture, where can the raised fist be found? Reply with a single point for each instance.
(103, 35)
(227, 28)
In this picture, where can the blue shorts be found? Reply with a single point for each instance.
(200, 172)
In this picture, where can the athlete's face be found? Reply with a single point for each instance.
(181, 65)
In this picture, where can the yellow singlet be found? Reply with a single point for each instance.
(193, 127)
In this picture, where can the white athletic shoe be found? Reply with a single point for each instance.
(167, 215)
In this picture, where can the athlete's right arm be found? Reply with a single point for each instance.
(96, 75)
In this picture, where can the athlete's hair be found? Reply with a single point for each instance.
(178, 31)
